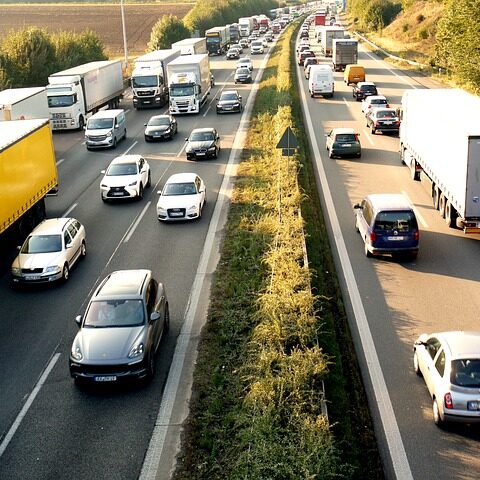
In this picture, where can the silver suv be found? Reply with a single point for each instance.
(121, 330)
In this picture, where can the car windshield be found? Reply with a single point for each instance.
(114, 314)
(157, 121)
(122, 169)
(345, 137)
(42, 244)
(386, 114)
(228, 96)
(402, 221)
(146, 81)
(99, 123)
(201, 136)
(368, 88)
(179, 189)
(465, 373)
(243, 71)
(61, 101)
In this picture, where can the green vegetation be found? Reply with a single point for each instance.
(169, 29)
(28, 56)
(373, 14)
(270, 345)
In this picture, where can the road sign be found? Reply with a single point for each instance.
(288, 140)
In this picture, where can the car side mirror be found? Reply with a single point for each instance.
(159, 192)
(68, 245)
(218, 137)
(357, 205)
(154, 316)
(103, 171)
(144, 124)
(186, 139)
(78, 320)
(239, 97)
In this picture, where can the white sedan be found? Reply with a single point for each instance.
(182, 198)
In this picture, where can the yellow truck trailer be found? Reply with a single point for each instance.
(28, 172)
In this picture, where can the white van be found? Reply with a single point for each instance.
(105, 129)
(321, 81)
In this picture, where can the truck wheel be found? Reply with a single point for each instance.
(435, 197)
(441, 204)
(81, 123)
(450, 215)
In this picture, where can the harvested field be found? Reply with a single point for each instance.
(105, 20)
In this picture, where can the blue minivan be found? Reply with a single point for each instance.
(387, 225)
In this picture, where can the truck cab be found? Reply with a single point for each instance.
(185, 93)
(65, 103)
(148, 85)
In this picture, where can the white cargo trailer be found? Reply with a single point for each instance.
(23, 103)
(440, 143)
(191, 46)
(75, 93)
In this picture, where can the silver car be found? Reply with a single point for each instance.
(450, 365)
(50, 251)
(121, 330)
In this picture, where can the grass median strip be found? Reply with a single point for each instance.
(256, 405)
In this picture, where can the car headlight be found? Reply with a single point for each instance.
(192, 208)
(52, 269)
(137, 350)
(211, 149)
(167, 130)
(16, 271)
(109, 135)
(103, 185)
(188, 148)
(132, 184)
(161, 210)
(76, 353)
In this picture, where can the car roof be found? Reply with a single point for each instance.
(364, 84)
(108, 113)
(127, 158)
(225, 92)
(461, 343)
(159, 116)
(122, 283)
(337, 131)
(389, 201)
(205, 129)
(51, 226)
(182, 177)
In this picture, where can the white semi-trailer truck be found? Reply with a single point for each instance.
(191, 46)
(149, 78)
(75, 93)
(23, 103)
(440, 143)
(189, 79)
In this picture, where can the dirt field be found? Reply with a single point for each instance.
(105, 20)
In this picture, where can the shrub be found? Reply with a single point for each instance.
(405, 27)
(420, 18)
(423, 33)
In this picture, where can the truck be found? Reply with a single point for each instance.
(320, 18)
(29, 174)
(149, 78)
(440, 143)
(234, 32)
(344, 52)
(246, 26)
(23, 103)
(218, 40)
(75, 93)
(328, 34)
(191, 46)
(189, 80)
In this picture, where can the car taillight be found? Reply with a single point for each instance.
(356, 137)
(447, 400)
(373, 237)
(416, 235)
(387, 106)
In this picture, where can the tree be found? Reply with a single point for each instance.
(167, 31)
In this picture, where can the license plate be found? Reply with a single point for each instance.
(34, 277)
(200, 154)
(176, 214)
(387, 123)
(474, 405)
(106, 378)
(117, 194)
(395, 238)
(346, 145)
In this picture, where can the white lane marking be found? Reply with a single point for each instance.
(415, 209)
(220, 91)
(69, 210)
(367, 136)
(345, 101)
(157, 442)
(387, 418)
(60, 161)
(28, 403)
(130, 147)
(182, 149)
(132, 229)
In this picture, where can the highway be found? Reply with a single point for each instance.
(390, 303)
(104, 433)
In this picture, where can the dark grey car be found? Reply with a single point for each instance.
(202, 143)
(121, 330)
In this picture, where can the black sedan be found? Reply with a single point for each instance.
(243, 75)
(229, 101)
(160, 127)
(383, 120)
(364, 89)
(202, 143)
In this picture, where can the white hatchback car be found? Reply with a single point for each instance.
(374, 101)
(126, 177)
(245, 62)
(49, 252)
(182, 198)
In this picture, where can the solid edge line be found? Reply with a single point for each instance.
(28, 404)
(162, 423)
(388, 421)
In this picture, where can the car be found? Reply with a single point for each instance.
(49, 252)
(449, 363)
(160, 127)
(229, 101)
(245, 62)
(233, 53)
(243, 43)
(309, 61)
(182, 198)
(264, 43)
(301, 47)
(121, 330)
(343, 142)
(363, 89)
(243, 75)
(383, 120)
(304, 33)
(374, 101)
(125, 178)
(388, 225)
(251, 38)
(269, 36)
(202, 143)
(303, 55)
(256, 47)
(262, 30)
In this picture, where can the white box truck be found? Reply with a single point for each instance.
(440, 143)
(328, 34)
(23, 103)
(75, 93)
(149, 78)
(189, 80)
(320, 81)
(344, 52)
(246, 26)
(191, 46)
